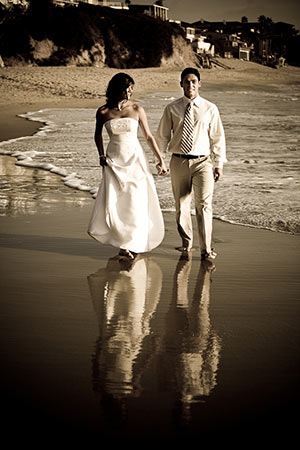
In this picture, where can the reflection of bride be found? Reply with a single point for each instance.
(193, 347)
(125, 299)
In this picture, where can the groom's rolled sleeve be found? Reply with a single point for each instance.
(164, 131)
(217, 139)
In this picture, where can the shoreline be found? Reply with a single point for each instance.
(30, 88)
(147, 80)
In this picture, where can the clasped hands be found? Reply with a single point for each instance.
(162, 169)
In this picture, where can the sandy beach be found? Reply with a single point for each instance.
(28, 88)
(54, 317)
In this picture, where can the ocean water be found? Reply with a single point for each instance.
(261, 180)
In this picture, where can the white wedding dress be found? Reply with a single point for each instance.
(126, 213)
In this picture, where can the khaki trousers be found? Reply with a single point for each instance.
(187, 176)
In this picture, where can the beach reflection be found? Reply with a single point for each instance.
(192, 348)
(175, 342)
(125, 297)
(25, 190)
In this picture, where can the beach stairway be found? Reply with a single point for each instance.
(218, 63)
(206, 61)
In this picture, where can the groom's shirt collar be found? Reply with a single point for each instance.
(196, 101)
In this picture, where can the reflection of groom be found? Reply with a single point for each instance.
(193, 347)
(192, 129)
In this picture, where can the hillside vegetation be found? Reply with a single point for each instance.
(89, 35)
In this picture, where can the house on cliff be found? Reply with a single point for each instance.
(107, 3)
(155, 10)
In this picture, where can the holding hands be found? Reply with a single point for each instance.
(162, 169)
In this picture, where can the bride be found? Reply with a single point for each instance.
(126, 213)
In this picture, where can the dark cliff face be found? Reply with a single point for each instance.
(85, 35)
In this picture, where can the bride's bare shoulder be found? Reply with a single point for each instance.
(137, 107)
(102, 112)
(102, 109)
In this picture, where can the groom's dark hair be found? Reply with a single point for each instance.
(189, 70)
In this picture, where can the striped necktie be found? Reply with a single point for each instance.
(187, 139)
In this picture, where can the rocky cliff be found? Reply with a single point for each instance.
(90, 35)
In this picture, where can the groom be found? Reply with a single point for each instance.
(192, 130)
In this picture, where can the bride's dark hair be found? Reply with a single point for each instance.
(116, 89)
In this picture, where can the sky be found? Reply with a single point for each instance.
(219, 10)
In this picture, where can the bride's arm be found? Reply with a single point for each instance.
(98, 138)
(161, 167)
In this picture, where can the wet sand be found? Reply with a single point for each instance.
(56, 327)
(217, 353)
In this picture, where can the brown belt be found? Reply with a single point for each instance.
(188, 156)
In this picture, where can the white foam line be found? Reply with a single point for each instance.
(26, 159)
(44, 125)
(8, 152)
(172, 210)
(71, 180)
(28, 162)
(260, 227)
(59, 171)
